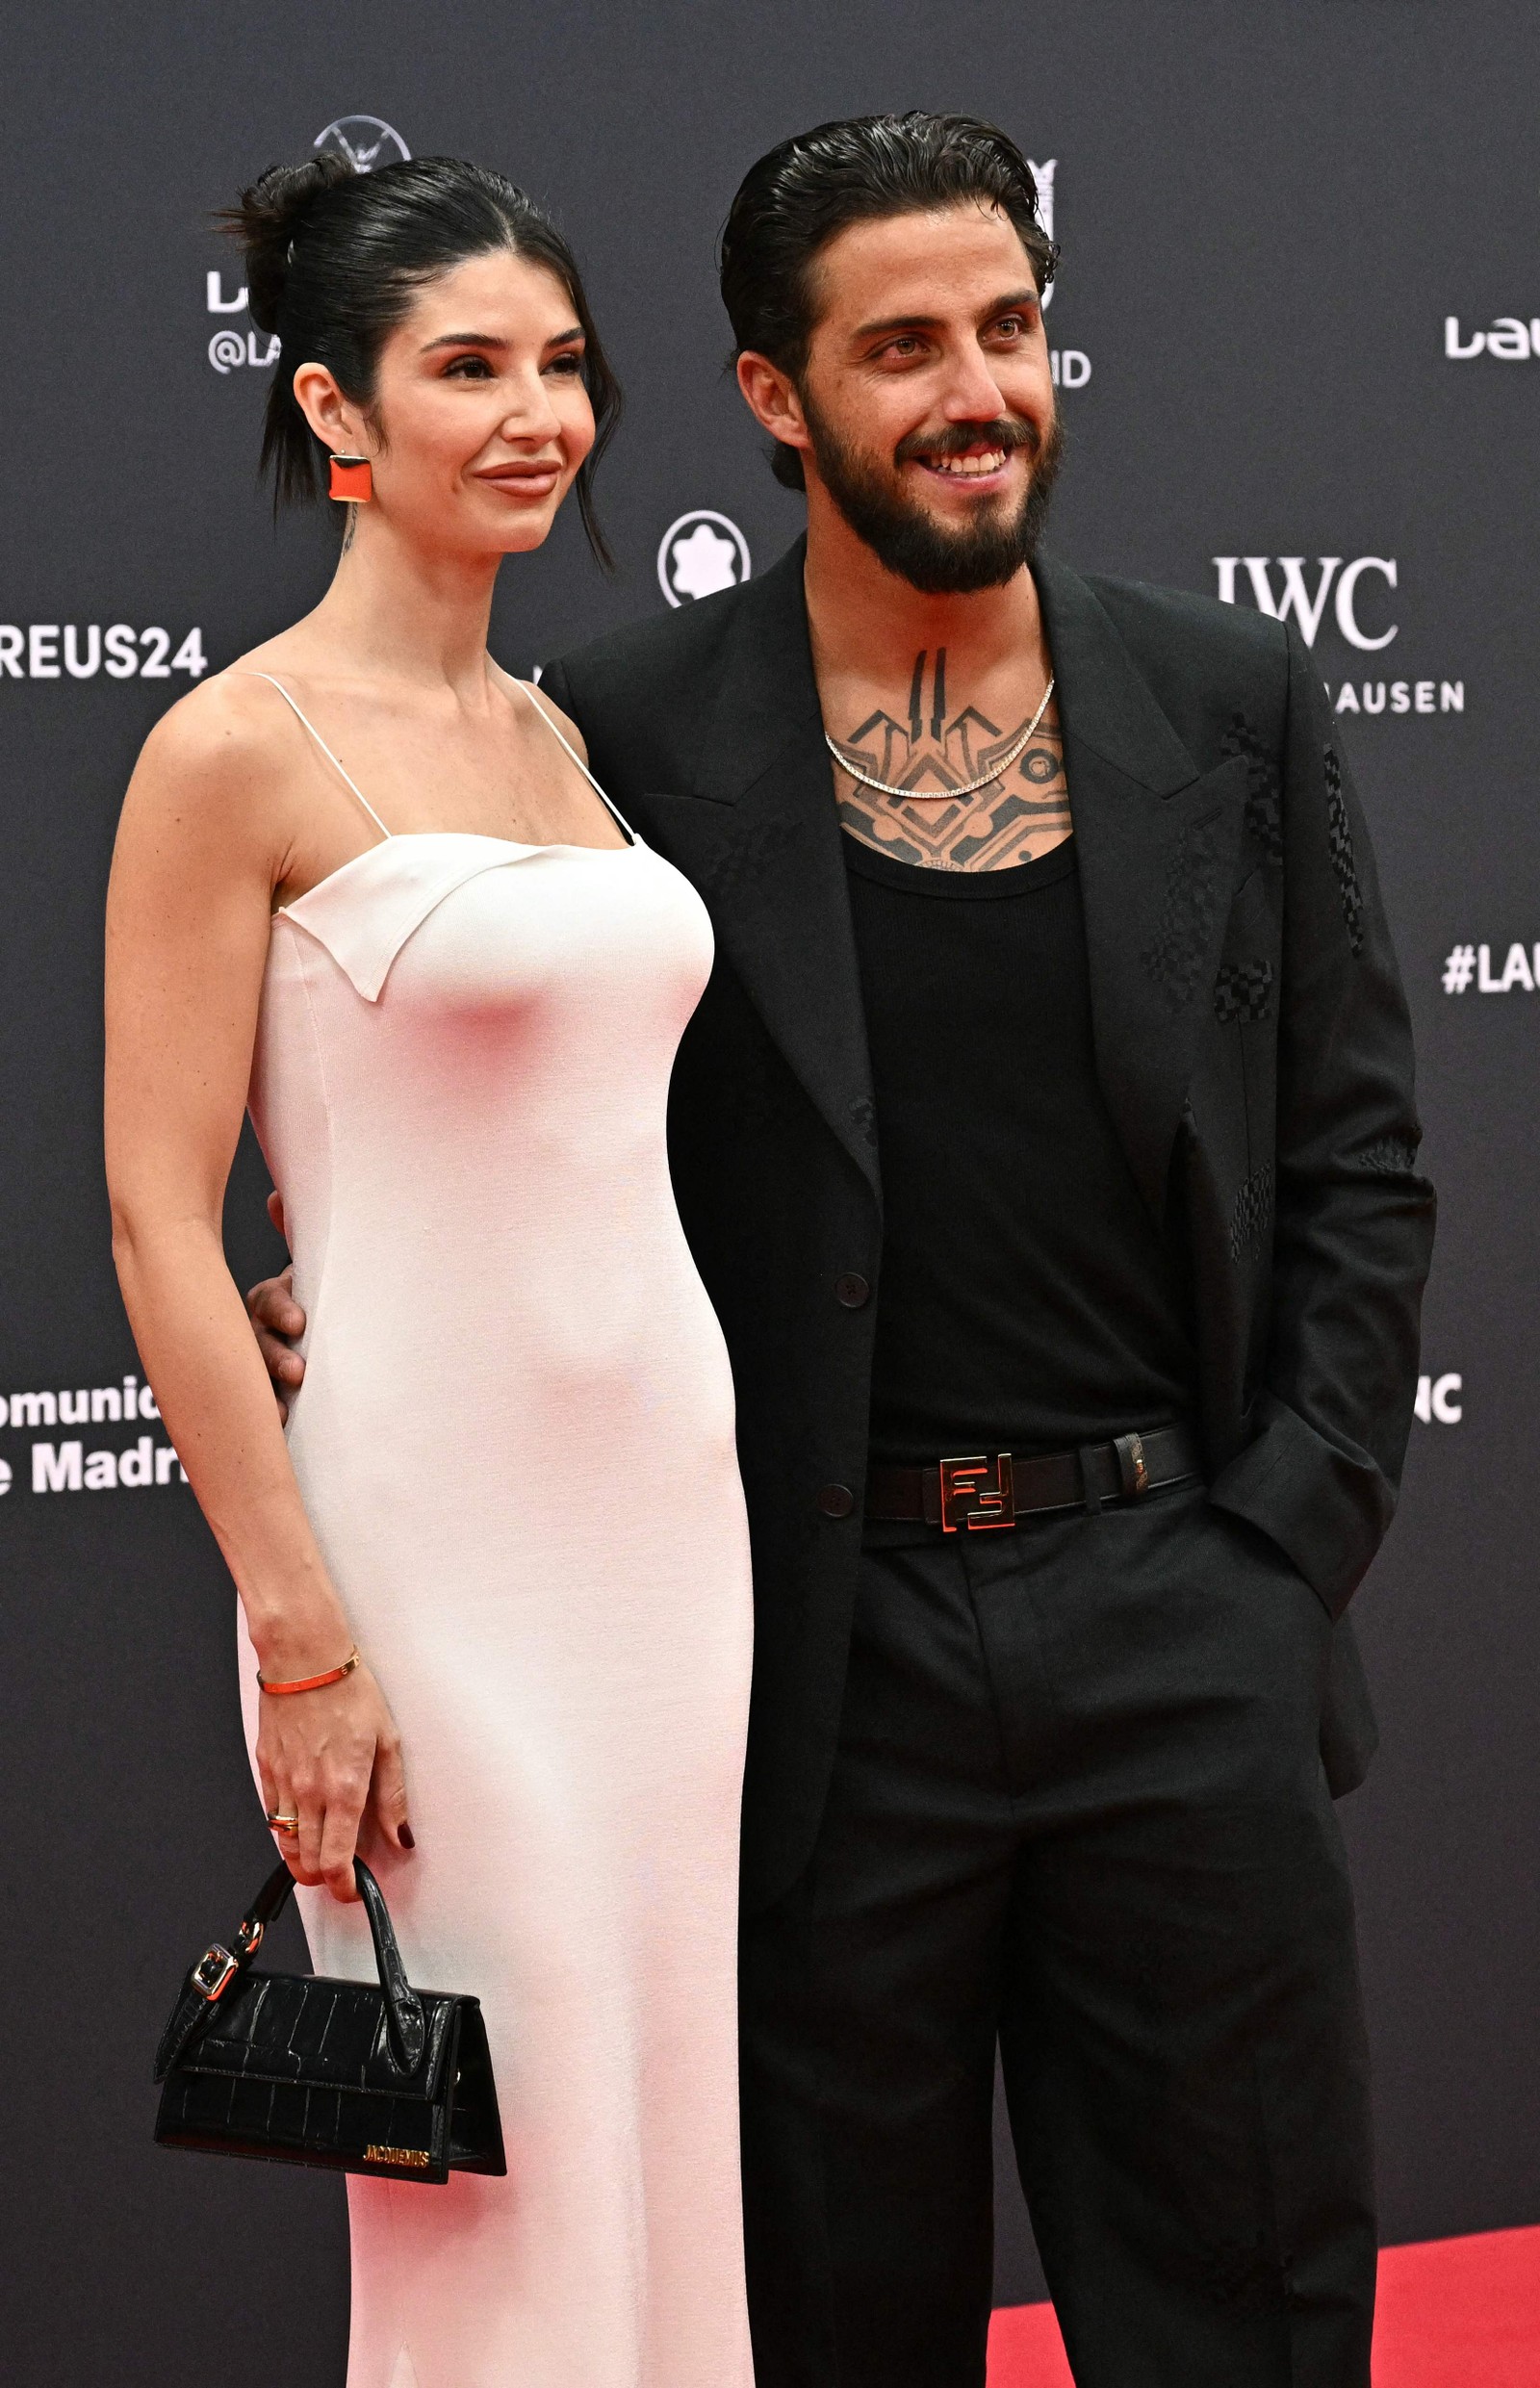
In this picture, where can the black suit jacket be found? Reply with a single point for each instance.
(1252, 1041)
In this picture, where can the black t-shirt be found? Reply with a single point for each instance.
(1027, 1301)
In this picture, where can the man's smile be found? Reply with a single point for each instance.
(975, 464)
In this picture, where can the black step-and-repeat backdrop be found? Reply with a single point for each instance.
(1297, 342)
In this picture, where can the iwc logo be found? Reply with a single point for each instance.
(1342, 581)
(700, 553)
(364, 142)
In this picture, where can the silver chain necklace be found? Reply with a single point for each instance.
(943, 795)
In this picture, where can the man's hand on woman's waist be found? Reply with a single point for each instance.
(276, 1320)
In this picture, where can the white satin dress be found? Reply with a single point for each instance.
(514, 1442)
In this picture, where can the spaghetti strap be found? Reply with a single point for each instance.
(321, 743)
(613, 810)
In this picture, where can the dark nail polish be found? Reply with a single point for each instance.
(406, 1837)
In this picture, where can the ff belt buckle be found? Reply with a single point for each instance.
(986, 1484)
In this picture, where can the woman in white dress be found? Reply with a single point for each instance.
(363, 879)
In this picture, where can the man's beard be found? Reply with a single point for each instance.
(931, 555)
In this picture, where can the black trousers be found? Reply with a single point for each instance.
(1077, 1810)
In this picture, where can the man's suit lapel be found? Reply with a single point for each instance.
(1157, 843)
(765, 851)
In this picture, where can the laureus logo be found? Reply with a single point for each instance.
(364, 142)
(1071, 366)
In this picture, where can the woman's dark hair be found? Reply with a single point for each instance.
(334, 260)
(804, 191)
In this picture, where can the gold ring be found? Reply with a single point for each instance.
(284, 1824)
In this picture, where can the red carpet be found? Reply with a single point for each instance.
(1457, 2313)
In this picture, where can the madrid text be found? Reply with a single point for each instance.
(66, 1465)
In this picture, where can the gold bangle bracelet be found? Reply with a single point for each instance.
(313, 1682)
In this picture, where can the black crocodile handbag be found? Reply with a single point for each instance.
(372, 2077)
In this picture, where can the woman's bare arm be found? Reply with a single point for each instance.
(202, 845)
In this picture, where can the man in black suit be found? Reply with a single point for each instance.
(1046, 1140)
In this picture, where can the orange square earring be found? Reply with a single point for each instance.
(352, 479)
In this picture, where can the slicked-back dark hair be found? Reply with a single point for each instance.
(334, 260)
(855, 169)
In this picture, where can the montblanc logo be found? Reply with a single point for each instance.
(364, 142)
(700, 553)
(1359, 590)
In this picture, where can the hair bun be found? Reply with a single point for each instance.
(266, 220)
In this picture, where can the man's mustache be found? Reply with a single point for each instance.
(955, 439)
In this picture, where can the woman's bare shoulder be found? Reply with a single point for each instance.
(216, 776)
(231, 735)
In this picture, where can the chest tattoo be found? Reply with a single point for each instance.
(943, 745)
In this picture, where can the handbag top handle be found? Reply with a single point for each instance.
(406, 2025)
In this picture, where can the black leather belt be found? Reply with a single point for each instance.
(995, 1490)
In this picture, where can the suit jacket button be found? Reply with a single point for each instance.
(836, 1500)
(851, 1290)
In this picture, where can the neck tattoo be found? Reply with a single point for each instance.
(953, 790)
